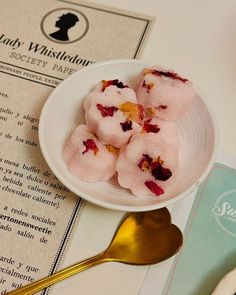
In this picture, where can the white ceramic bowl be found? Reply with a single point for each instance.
(63, 111)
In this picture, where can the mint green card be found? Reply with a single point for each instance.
(209, 250)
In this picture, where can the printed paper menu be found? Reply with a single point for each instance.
(41, 43)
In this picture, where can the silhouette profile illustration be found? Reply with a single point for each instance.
(64, 23)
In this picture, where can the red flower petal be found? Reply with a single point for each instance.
(145, 162)
(106, 111)
(147, 127)
(154, 167)
(167, 74)
(162, 106)
(158, 171)
(154, 188)
(147, 86)
(90, 145)
(116, 82)
(127, 125)
(161, 173)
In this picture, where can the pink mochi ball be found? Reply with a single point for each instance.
(100, 91)
(147, 165)
(164, 93)
(87, 158)
(167, 129)
(114, 115)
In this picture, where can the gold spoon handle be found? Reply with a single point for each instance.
(59, 276)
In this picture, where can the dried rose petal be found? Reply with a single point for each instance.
(154, 167)
(158, 171)
(90, 145)
(147, 86)
(148, 158)
(106, 111)
(147, 127)
(127, 125)
(112, 149)
(143, 165)
(157, 161)
(116, 82)
(154, 188)
(145, 162)
(161, 173)
(133, 111)
(167, 74)
(162, 106)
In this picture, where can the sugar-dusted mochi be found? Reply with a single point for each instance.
(95, 94)
(99, 91)
(164, 93)
(87, 158)
(114, 115)
(167, 129)
(147, 165)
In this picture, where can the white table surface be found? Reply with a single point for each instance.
(197, 38)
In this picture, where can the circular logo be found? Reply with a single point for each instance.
(64, 25)
(225, 212)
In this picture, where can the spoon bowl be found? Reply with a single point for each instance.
(142, 238)
(145, 238)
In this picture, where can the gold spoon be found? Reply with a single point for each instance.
(142, 238)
